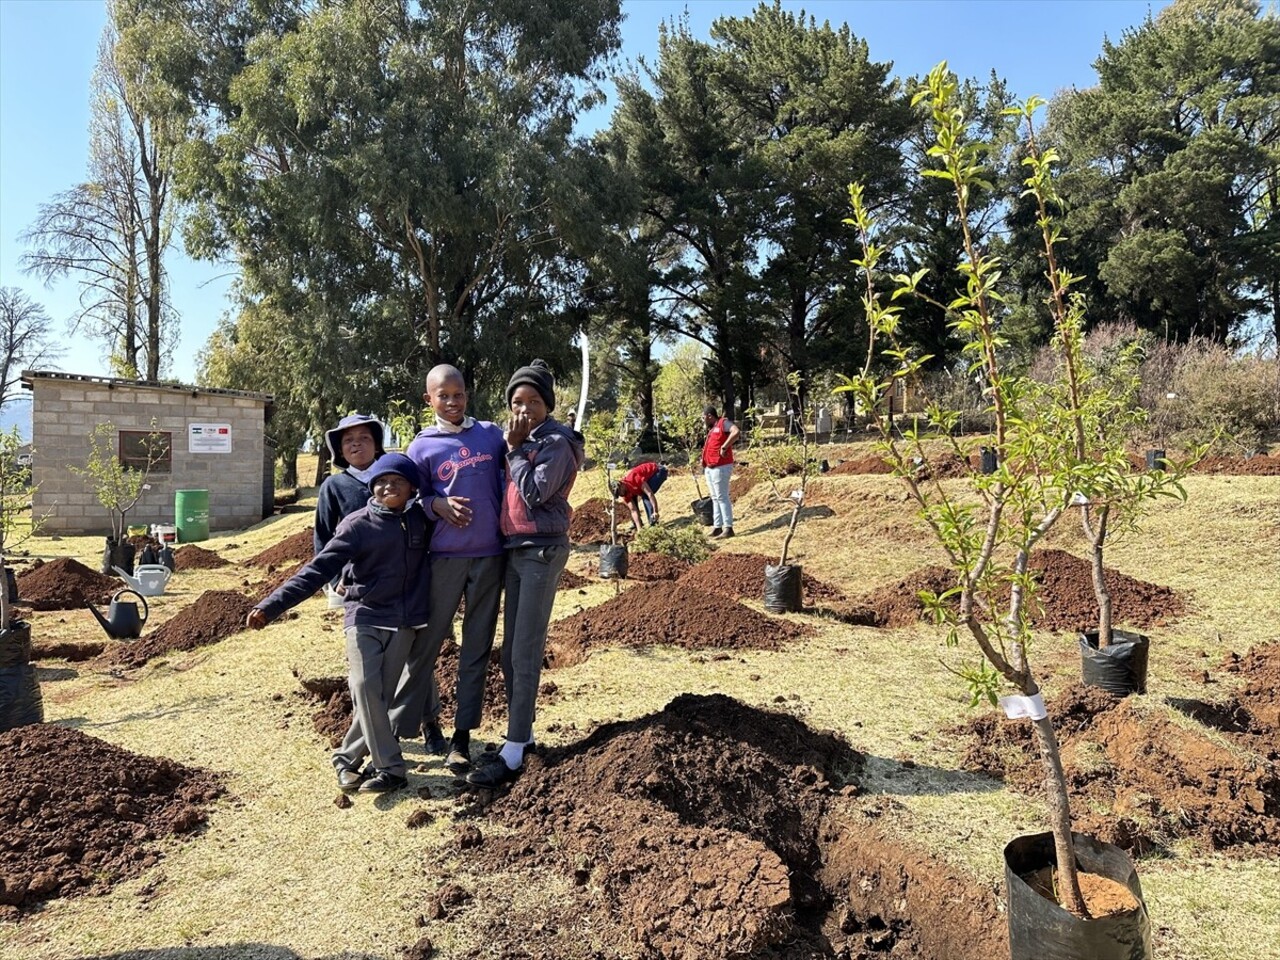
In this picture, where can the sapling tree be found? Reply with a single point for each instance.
(787, 459)
(608, 442)
(15, 500)
(117, 486)
(988, 537)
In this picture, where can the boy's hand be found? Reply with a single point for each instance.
(454, 511)
(518, 430)
(256, 619)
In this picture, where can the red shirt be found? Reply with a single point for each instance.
(637, 477)
(711, 455)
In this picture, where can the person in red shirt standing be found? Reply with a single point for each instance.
(641, 482)
(717, 465)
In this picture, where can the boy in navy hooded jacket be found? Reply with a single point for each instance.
(384, 545)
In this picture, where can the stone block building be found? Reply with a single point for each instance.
(216, 440)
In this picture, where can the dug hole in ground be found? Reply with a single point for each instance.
(712, 781)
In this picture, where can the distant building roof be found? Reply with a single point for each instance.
(29, 376)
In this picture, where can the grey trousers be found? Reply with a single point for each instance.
(532, 576)
(479, 579)
(375, 661)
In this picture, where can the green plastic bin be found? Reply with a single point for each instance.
(191, 513)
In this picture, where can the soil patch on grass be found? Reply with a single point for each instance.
(1141, 779)
(1240, 466)
(1251, 715)
(571, 581)
(79, 815)
(215, 615)
(861, 465)
(68, 650)
(294, 549)
(64, 584)
(191, 557)
(590, 523)
(742, 481)
(670, 613)
(742, 575)
(1064, 599)
(702, 831)
(275, 581)
(656, 566)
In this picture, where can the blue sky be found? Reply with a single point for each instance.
(48, 48)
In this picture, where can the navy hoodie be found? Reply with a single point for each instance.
(389, 582)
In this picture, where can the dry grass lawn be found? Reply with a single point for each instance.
(282, 872)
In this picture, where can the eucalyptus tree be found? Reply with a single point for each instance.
(1173, 176)
(111, 232)
(423, 149)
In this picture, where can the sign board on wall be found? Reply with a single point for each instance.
(209, 437)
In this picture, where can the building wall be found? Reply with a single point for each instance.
(64, 413)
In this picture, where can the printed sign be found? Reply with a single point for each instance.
(209, 437)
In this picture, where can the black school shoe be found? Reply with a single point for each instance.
(459, 758)
(493, 775)
(384, 782)
(434, 739)
(349, 780)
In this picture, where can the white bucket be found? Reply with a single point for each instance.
(165, 532)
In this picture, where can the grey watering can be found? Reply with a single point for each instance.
(148, 579)
(122, 621)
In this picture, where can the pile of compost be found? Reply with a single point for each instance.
(742, 575)
(707, 830)
(298, 548)
(191, 557)
(571, 581)
(1140, 776)
(590, 523)
(64, 584)
(861, 465)
(79, 815)
(1241, 466)
(215, 615)
(656, 566)
(666, 613)
(1064, 599)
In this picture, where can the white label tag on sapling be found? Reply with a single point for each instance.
(1019, 706)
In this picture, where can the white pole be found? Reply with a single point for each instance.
(579, 423)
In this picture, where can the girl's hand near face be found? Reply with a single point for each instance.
(518, 429)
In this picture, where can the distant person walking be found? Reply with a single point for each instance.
(717, 466)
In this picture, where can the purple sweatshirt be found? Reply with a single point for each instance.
(465, 464)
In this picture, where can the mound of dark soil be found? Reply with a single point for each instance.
(700, 832)
(68, 650)
(861, 465)
(670, 613)
(64, 584)
(590, 523)
(1239, 466)
(571, 581)
(191, 557)
(1064, 598)
(742, 575)
(298, 548)
(656, 566)
(274, 582)
(742, 481)
(1138, 778)
(215, 615)
(79, 815)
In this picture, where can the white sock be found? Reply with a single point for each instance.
(512, 755)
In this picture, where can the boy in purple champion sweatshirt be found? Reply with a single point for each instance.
(461, 461)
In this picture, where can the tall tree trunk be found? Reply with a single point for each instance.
(322, 464)
(289, 468)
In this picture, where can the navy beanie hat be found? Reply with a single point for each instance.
(395, 463)
(333, 438)
(537, 375)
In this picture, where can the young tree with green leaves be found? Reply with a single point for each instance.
(118, 487)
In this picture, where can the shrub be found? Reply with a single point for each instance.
(684, 543)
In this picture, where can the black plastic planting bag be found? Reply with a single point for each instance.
(20, 700)
(1040, 929)
(1121, 668)
(703, 510)
(782, 589)
(613, 561)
